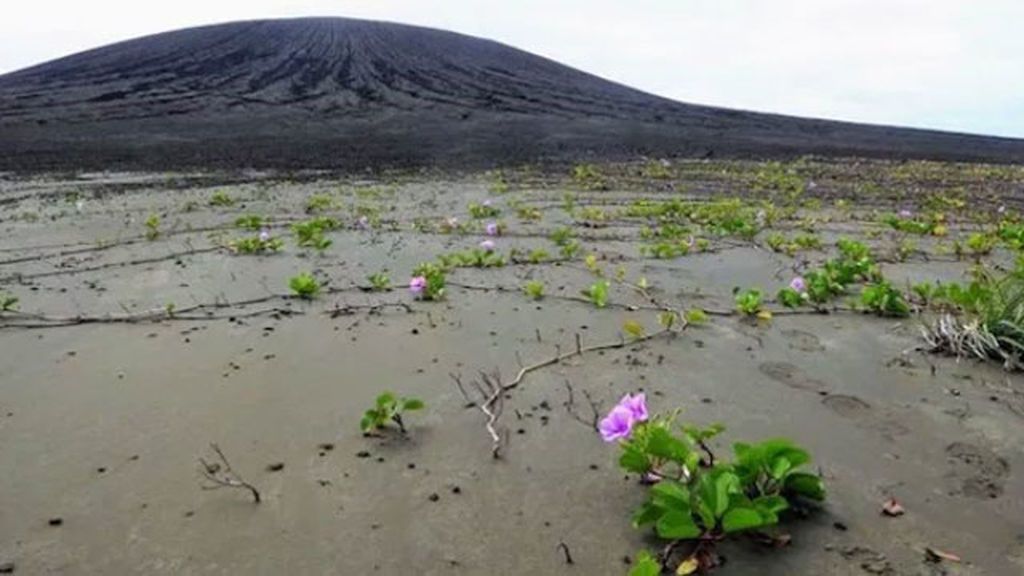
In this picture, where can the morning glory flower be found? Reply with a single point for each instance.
(487, 203)
(798, 284)
(417, 285)
(617, 425)
(637, 406)
(452, 222)
(364, 222)
(487, 245)
(264, 235)
(492, 228)
(905, 214)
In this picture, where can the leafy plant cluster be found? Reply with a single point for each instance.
(388, 408)
(260, 244)
(379, 282)
(534, 289)
(473, 258)
(483, 210)
(434, 276)
(588, 177)
(250, 222)
(313, 232)
(565, 239)
(854, 264)
(800, 242)
(932, 225)
(304, 286)
(993, 326)
(727, 217)
(597, 293)
(697, 500)
(221, 199)
(318, 203)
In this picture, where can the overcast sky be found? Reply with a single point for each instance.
(950, 64)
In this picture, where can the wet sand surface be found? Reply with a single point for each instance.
(101, 423)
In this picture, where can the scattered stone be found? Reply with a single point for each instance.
(56, 521)
(275, 467)
(434, 497)
(362, 454)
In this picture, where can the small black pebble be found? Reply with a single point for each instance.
(593, 466)
(7, 568)
(839, 526)
(456, 490)
(521, 431)
(362, 454)
(433, 497)
(326, 447)
(189, 514)
(275, 467)
(380, 458)
(411, 465)
(56, 521)
(101, 470)
(415, 330)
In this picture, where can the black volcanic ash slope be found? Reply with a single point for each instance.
(351, 94)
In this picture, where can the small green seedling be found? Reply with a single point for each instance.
(485, 210)
(388, 408)
(379, 282)
(598, 293)
(250, 222)
(884, 300)
(221, 199)
(304, 286)
(8, 303)
(152, 227)
(749, 302)
(534, 289)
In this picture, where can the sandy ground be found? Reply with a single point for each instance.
(101, 424)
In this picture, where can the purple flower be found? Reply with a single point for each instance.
(637, 406)
(905, 214)
(264, 235)
(417, 285)
(487, 245)
(364, 222)
(617, 425)
(487, 203)
(452, 222)
(491, 229)
(798, 284)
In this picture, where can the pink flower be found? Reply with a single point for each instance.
(617, 425)
(905, 214)
(487, 203)
(487, 245)
(798, 284)
(491, 229)
(364, 222)
(417, 285)
(452, 222)
(637, 406)
(264, 235)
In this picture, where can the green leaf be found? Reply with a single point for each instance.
(773, 504)
(634, 459)
(368, 422)
(807, 485)
(412, 404)
(647, 514)
(739, 519)
(385, 400)
(663, 444)
(671, 495)
(676, 525)
(645, 565)
(780, 466)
